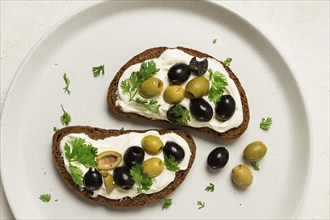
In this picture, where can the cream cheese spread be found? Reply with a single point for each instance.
(164, 62)
(120, 144)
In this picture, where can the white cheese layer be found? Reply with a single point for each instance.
(120, 144)
(167, 59)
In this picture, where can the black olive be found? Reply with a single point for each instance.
(218, 158)
(198, 67)
(200, 109)
(175, 150)
(225, 108)
(133, 155)
(92, 180)
(170, 115)
(178, 73)
(122, 177)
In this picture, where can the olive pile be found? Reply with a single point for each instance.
(134, 155)
(195, 90)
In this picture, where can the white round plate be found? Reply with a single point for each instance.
(110, 33)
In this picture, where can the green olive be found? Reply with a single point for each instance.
(242, 176)
(197, 87)
(108, 181)
(108, 160)
(153, 167)
(173, 94)
(255, 150)
(152, 144)
(151, 87)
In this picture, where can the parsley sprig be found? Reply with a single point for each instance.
(210, 187)
(45, 197)
(132, 85)
(143, 180)
(266, 123)
(255, 165)
(219, 83)
(200, 204)
(228, 61)
(65, 118)
(82, 153)
(167, 203)
(181, 114)
(67, 84)
(171, 164)
(98, 70)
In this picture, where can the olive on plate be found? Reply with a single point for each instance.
(225, 108)
(255, 150)
(173, 149)
(201, 110)
(198, 67)
(178, 73)
(242, 176)
(133, 155)
(123, 178)
(218, 158)
(92, 179)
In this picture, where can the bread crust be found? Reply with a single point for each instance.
(152, 53)
(98, 133)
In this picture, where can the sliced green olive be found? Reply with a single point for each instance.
(108, 160)
(108, 181)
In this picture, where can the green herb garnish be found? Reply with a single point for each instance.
(45, 197)
(67, 84)
(55, 129)
(228, 61)
(200, 204)
(171, 164)
(266, 123)
(151, 105)
(122, 129)
(214, 41)
(167, 203)
(82, 153)
(210, 187)
(255, 165)
(65, 118)
(98, 70)
(219, 83)
(143, 180)
(182, 114)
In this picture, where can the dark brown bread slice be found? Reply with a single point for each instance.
(98, 133)
(156, 52)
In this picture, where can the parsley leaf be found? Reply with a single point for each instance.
(266, 123)
(65, 118)
(214, 41)
(76, 174)
(55, 129)
(81, 152)
(219, 83)
(181, 114)
(228, 61)
(167, 203)
(210, 187)
(143, 180)
(67, 84)
(98, 70)
(200, 204)
(171, 164)
(151, 105)
(255, 165)
(45, 197)
(132, 85)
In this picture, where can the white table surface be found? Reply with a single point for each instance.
(299, 29)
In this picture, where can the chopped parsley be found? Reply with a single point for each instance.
(45, 197)
(214, 41)
(98, 70)
(210, 187)
(171, 164)
(255, 165)
(167, 203)
(200, 204)
(266, 123)
(219, 83)
(181, 114)
(228, 61)
(143, 180)
(151, 105)
(55, 129)
(67, 84)
(65, 118)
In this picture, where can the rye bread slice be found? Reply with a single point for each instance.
(152, 53)
(98, 133)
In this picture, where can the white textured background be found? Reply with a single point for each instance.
(299, 29)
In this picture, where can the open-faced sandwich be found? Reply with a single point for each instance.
(182, 86)
(122, 168)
